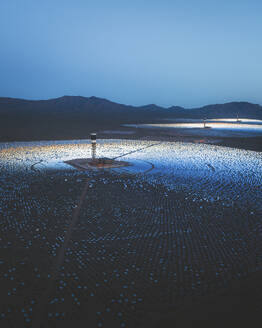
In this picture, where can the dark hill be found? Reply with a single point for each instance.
(75, 116)
(228, 110)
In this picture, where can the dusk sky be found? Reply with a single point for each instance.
(188, 53)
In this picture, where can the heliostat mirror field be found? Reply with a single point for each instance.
(182, 220)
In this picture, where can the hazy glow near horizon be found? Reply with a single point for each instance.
(188, 53)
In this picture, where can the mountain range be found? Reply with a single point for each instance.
(75, 116)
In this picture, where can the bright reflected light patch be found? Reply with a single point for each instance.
(198, 166)
(217, 127)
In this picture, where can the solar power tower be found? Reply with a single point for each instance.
(93, 142)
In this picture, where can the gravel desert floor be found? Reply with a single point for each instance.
(147, 245)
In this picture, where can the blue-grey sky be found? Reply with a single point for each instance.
(168, 52)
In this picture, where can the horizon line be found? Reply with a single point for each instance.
(138, 106)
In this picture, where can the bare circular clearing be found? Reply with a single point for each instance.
(87, 163)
